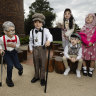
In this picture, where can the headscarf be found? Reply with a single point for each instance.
(91, 25)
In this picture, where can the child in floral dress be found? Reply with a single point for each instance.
(88, 38)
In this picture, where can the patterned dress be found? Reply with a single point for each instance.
(89, 52)
(67, 32)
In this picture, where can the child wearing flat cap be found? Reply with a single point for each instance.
(73, 52)
(39, 39)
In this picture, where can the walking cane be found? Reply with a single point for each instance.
(47, 69)
(1, 68)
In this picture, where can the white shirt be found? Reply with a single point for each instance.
(8, 38)
(67, 55)
(47, 36)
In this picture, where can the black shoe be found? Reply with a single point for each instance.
(34, 80)
(85, 72)
(90, 73)
(9, 82)
(43, 82)
(20, 72)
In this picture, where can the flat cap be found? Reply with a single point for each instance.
(76, 35)
(39, 17)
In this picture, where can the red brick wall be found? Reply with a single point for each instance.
(12, 10)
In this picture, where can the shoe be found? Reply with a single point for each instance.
(20, 72)
(9, 82)
(85, 71)
(90, 73)
(34, 80)
(67, 71)
(78, 73)
(43, 82)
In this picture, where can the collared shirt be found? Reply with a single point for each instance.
(67, 55)
(6, 40)
(46, 36)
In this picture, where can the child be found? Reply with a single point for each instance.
(8, 43)
(88, 38)
(68, 26)
(39, 39)
(73, 52)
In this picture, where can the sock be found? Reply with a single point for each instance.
(91, 69)
(84, 68)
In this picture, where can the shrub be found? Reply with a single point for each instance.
(24, 40)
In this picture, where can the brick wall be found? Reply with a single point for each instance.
(12, 10)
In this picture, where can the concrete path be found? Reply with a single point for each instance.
(58, 84)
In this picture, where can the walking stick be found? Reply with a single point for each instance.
(1, 69)
(47, 69)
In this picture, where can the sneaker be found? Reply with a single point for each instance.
(67, 71)
(9, 82)
(42, 82)
(78, 73)
(34, 80)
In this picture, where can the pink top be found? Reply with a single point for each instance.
(85, 40)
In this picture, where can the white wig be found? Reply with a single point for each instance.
(7, 24)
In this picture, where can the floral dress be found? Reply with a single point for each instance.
(89, 52)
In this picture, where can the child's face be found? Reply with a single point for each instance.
(10, 32)
(74, 41)
(67, 15)
(38, 24)
(89, 19)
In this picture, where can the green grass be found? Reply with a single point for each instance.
(60, 42)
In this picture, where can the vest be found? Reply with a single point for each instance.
(73, 50)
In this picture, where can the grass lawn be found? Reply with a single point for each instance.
(60, 42)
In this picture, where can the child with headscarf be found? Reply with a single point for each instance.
(68, 26)
(88, 38)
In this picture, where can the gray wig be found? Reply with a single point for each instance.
(7, 24)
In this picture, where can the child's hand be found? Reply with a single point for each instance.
(66, 38)
(47, 43)
(90, 44)
(2, 52)
(11, 45)
(73, 60)
(31, 51)
(64, 35)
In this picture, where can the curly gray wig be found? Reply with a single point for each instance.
(7, 24)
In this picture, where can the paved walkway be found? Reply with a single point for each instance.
(58, 84)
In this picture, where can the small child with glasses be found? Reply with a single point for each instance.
(8, 44)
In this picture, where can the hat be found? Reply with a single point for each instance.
(75, 35)
(39, 17)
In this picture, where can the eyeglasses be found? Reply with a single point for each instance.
(11, 30)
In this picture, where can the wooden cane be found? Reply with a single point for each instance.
(1, 69)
